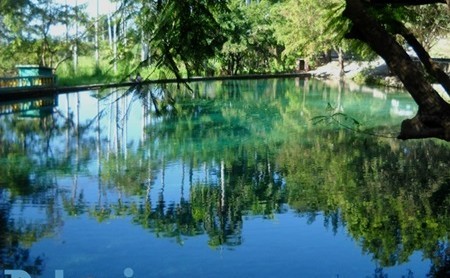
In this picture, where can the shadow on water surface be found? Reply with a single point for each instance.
(184, 164)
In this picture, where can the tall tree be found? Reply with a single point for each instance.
(428, 22)
(182, 31)
(26, 32)
(369, 26)
(251, 45)
(97, 47)
(313, 30)
(301, 28)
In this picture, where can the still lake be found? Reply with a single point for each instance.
(253, 178)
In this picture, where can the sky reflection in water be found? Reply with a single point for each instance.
(249, 178)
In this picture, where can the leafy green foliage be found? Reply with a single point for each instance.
(26, 29)
(182, 31)
(302, 27)
(195, 37)
(335, 117)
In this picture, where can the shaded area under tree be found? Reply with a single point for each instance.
(433, 116)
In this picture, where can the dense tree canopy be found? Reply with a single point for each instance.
(196, 37)
(206, 37)
(25, 32)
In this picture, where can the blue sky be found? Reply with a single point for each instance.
(105, 7)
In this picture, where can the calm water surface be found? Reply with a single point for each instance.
(266, 178)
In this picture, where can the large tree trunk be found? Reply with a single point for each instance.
(433, 117)
(431, 67)
(97, 50)
(341, 61)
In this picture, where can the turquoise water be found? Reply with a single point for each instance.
(255, 178)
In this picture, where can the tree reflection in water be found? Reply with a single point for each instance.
(257, 152)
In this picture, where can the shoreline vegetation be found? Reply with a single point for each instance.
(26, 92)
(69, 88)
(373, 73)
(360, 72)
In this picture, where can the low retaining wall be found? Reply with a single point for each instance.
(444, 64)
(26, 81)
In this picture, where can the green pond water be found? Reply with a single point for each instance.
(254, 178)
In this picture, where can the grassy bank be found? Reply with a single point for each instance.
(88, 72)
